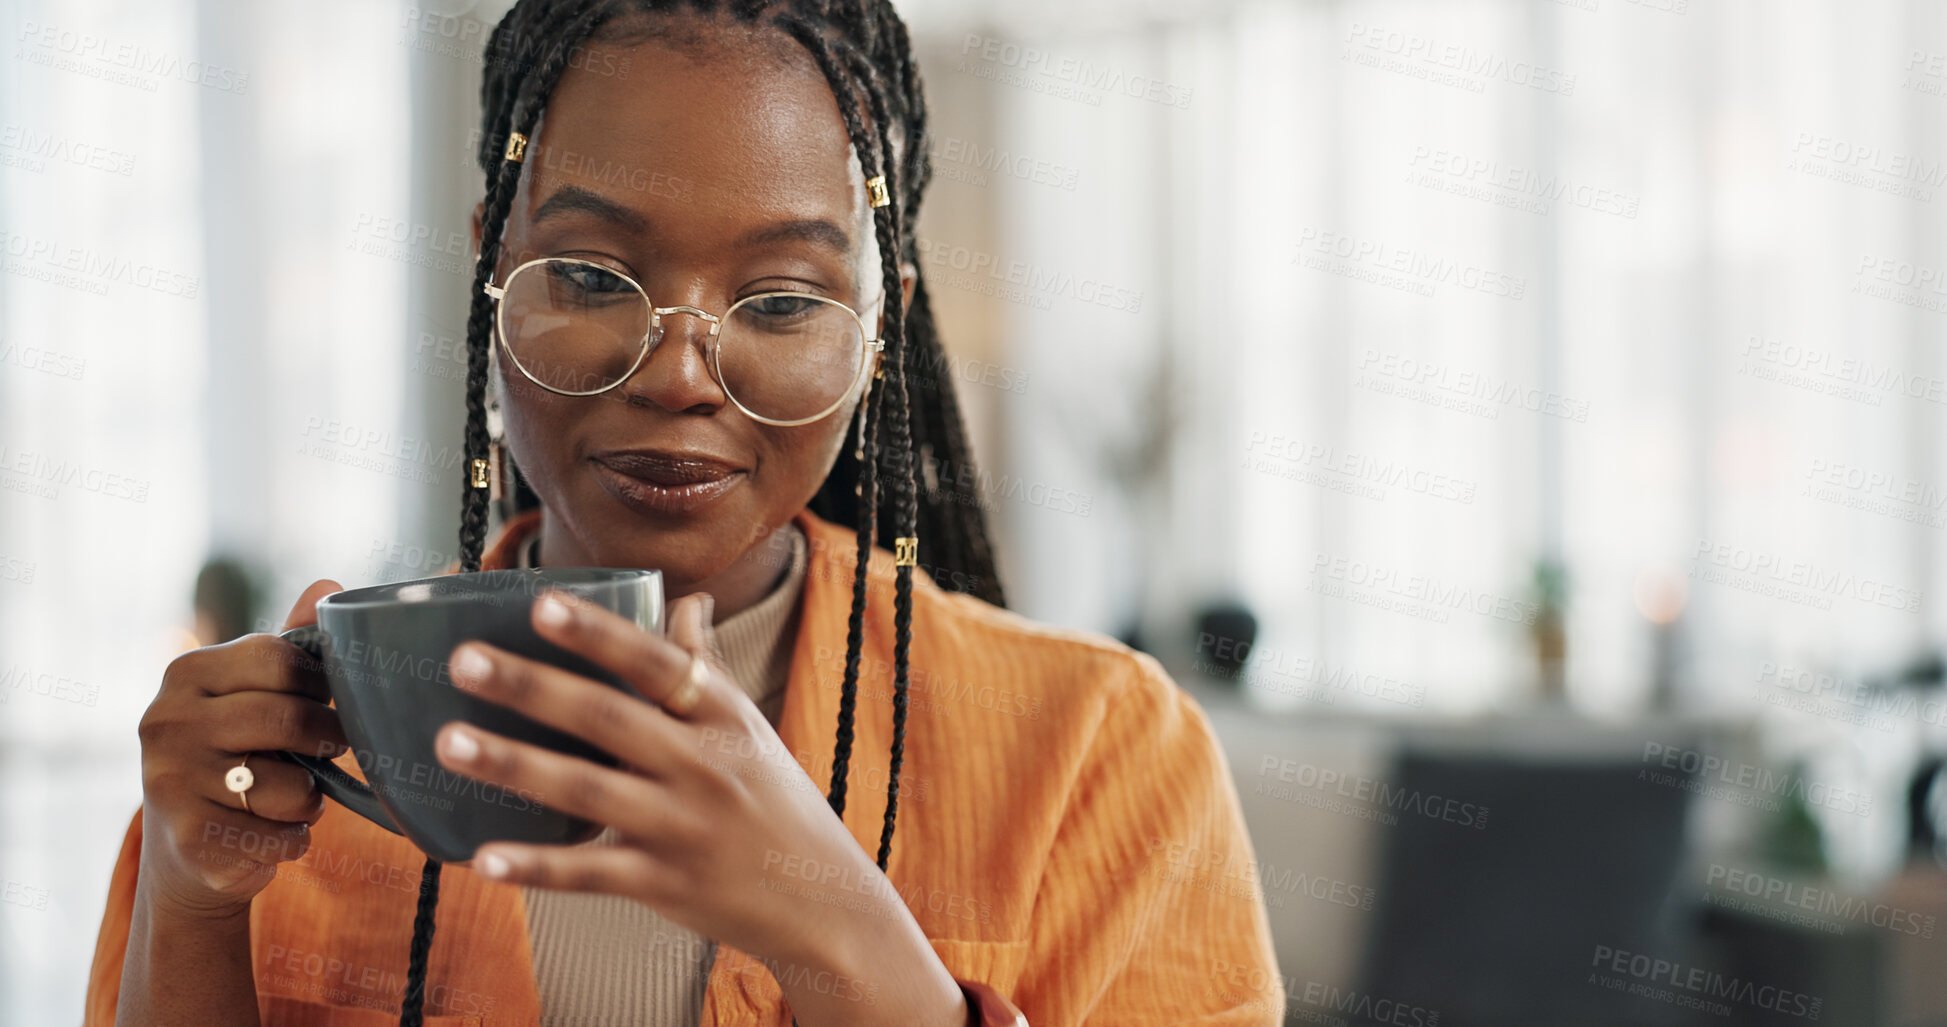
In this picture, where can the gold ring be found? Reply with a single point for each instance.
(687, 694)
(239, 780)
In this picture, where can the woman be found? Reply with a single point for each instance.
(1070, 842)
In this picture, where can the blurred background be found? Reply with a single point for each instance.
(1515, 421)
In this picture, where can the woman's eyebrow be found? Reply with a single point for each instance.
(812, 230)
(575, 199)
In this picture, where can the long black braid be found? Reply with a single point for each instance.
(907, 476)
(572, 20)
(864, 51)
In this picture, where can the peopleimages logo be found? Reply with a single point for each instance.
(121, 61)
(1798, 581)
(1824, 687)
(40, 474)
(1015, 64)
(1266, 450)
(1453, 171)
(1823, 902)
(35, 148)
(1708, 767)
(1251, 985)
(1424, 268)
(1416, 595)
(1294, 673)
(1852, 163)
(1463, 384)
(88, 268)
(428, 784)
(1694, 986)
(1834, 373)
(1223, 872)
(982, 160)
(1036, 280)
(1425, 57)
(1387, 796)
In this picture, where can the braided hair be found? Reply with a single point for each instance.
(865, 54)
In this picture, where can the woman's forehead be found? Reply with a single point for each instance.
(741, 133)
(741, 113)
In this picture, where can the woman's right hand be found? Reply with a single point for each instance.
(201, 852)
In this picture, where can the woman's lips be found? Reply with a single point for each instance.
(664, 484)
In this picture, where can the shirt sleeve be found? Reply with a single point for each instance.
(1150, 910)
(111, 945)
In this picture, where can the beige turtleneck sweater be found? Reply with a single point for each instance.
(608, 960)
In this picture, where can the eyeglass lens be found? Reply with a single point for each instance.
(578, 327)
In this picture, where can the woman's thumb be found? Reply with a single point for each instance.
(304, 611)
(692, 626)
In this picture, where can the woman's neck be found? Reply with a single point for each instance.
(736, 588)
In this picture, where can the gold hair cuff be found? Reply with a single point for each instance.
(905, 551)
(876, 187)
(516, 147)
(479, 473)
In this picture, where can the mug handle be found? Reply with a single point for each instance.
(350, 792)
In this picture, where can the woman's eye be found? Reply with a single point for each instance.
(589, 278)
(781, 306)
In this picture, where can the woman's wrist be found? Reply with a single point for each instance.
(216, 916)
(187, 965)
(884, 971)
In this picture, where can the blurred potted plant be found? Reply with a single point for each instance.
(1548, 631)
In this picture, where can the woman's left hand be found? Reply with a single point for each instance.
(718, 827)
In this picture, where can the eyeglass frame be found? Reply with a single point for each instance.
(870, 344)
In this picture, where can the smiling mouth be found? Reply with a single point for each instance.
(661, 484)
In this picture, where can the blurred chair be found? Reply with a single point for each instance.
(1498, 926)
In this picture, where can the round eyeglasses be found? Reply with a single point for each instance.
(580, 328)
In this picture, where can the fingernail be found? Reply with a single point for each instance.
(472, 664)
(553, 612)
(461, 746)
(494, 865)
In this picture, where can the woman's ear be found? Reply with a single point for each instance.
(480, 213)
(908, 278)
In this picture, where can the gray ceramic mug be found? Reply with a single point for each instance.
(384, 651)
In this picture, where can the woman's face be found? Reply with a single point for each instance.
(707, 166)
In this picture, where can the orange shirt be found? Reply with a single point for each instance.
(1068, 833)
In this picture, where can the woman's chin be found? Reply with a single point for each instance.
(684, 567)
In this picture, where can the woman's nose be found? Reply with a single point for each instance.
(676, 373)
